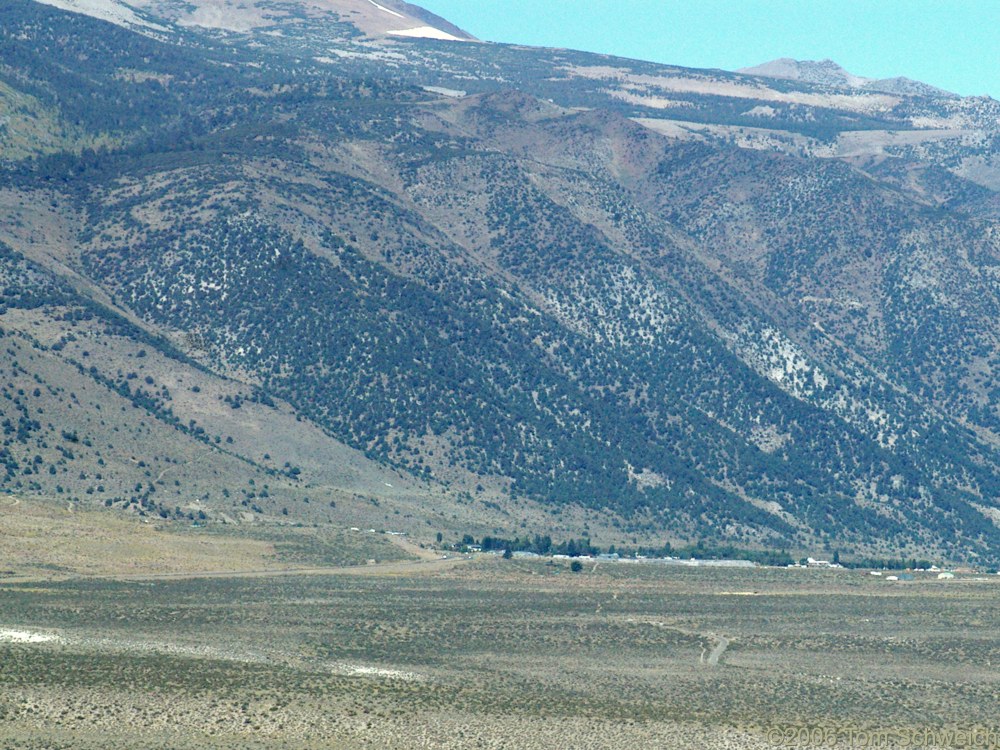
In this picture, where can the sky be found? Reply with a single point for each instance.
(952, 44)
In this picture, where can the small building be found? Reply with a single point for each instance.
(945, 576)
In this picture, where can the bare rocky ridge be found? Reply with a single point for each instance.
(822, 72)
(829, 73)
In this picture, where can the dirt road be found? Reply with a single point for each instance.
(719, 650)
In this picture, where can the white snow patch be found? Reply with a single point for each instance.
(427, 32)
(26, 636)
(106, 10)
(357, 670)
(453, 93)
(390, 12)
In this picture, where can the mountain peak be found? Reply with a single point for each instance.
(829, 73)
(822, 72)
(909, 87)
(392, 18)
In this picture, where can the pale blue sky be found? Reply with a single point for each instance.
(953, 44)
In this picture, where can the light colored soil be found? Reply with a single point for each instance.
(45, 541)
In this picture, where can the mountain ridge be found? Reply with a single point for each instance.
(828, 73)
(379, 19)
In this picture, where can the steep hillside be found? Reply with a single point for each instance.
(494, 287)
(99, 412)
(390, 18)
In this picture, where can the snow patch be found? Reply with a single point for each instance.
(357, 670)
(427, 32)
(106, 10)
(452, 93)
(390, 12)
(26, 636)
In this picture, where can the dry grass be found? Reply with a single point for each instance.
(47, 539)
(492, 654)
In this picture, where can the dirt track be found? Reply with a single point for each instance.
(718, 651)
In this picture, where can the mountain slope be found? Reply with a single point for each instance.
(373, 19)
(112, 11)
(543, 297)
